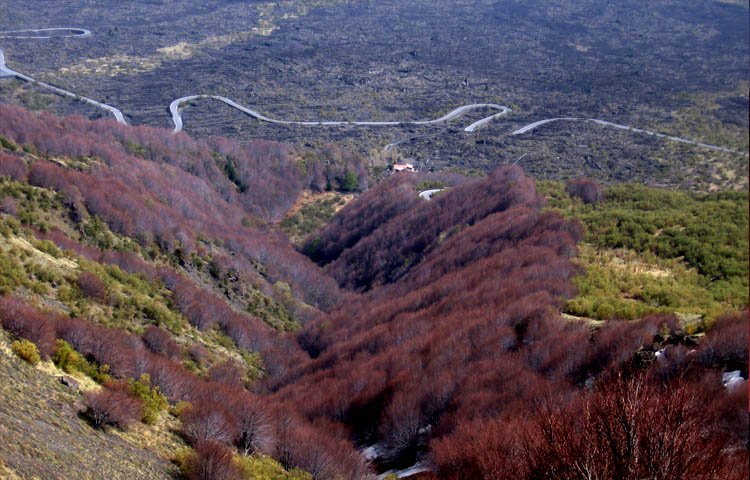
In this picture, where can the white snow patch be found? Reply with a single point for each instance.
(418, 467)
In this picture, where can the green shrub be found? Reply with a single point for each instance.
(8, 143)
(65, 356)
(181, 458)
(13, 224)
(224, 340)
(178, 408)
(161, 316)
(40, 288)
(12, 273)
(48, 247)
(254, 363)
(154, 402)
(429, 185)
(349, 183)
(26, 350)
(69, 360)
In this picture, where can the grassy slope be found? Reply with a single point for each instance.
(312, 212)
(38, 270)
(44, 437)
(50, 440)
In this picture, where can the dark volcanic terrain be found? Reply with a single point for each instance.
(674, 67)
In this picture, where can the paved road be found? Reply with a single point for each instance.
(74, 32)
(174, 109)
(427, 194)
(7, 72)
(539, 123)
(37, 33)
(605, 123)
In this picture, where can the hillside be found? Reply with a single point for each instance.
(154, 270)
(659, 251)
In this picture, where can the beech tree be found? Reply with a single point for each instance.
(91, 286)
(726, 344)
(253, 424)
(12, 167)
(631, 430)
(159, 341)
(198, 353)
(585, 189)
(112, 406)
(26, 322)
(208, 420)
(227, 373)
(211, 461)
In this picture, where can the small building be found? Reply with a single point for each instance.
(403, 167)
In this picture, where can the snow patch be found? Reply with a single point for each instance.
(732, 380)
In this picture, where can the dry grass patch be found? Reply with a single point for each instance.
(50, 440)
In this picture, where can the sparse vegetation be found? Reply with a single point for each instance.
(312, 215)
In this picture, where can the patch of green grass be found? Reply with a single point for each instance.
(262, 467)
(624, 284)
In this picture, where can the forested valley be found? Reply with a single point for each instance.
(458, 336)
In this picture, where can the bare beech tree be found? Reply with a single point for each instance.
(112, 406)
(211, 461)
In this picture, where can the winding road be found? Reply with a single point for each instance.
(620, 126)
(174, 107)
(427, 194)
(78, 32)
(75, 32)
